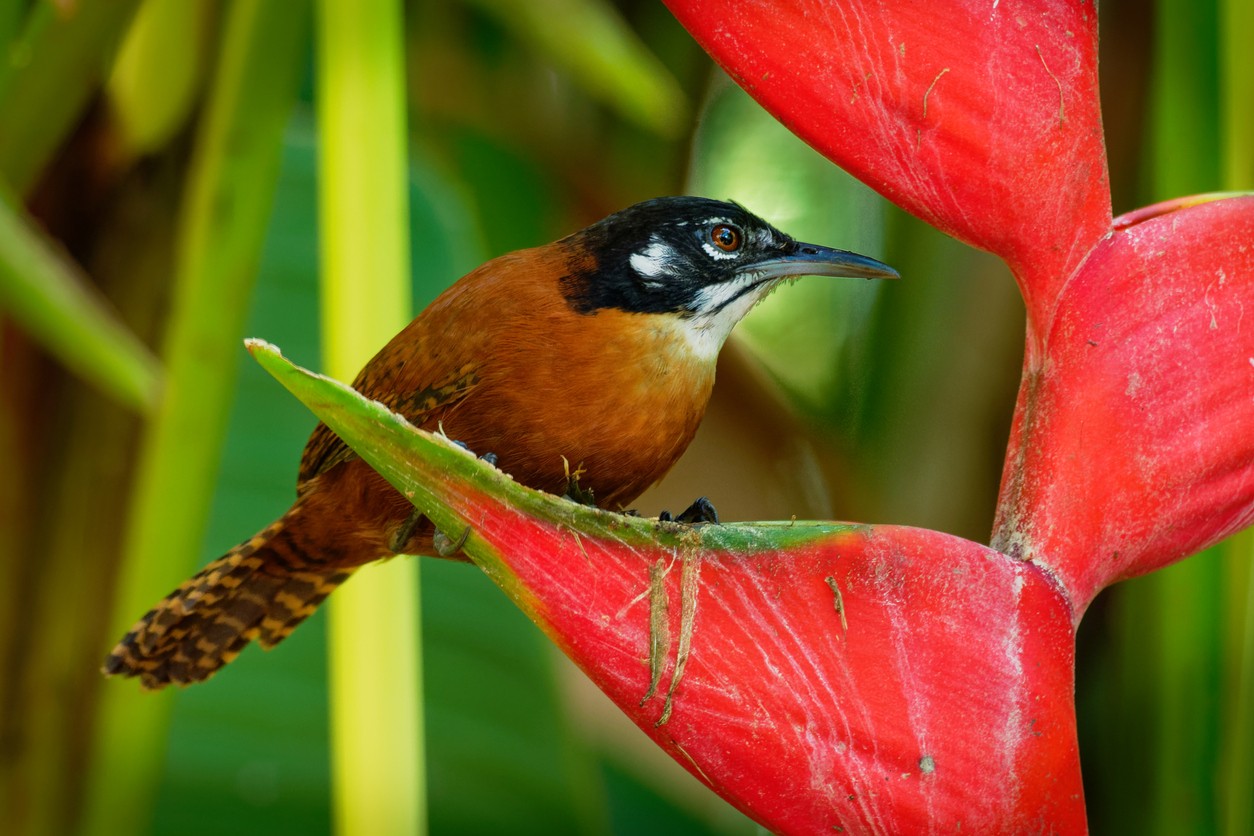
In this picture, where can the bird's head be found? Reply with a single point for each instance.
(705, 262)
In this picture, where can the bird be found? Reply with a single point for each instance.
(597, 350)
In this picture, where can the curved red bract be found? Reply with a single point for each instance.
(1133, 442)
(943, 695)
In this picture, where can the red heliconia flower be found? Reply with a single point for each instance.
(1133, 438)
(881, 679)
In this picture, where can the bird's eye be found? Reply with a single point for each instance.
(726, 237)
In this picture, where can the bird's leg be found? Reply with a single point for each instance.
(700, 511)
(445, 546)
(401, 535)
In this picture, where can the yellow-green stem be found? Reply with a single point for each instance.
(378, 774)
(1236, 91)
(1236, 760)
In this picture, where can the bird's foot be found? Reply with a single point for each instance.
(446, 546)
(574, 491)
(490, 458)
(700, 511)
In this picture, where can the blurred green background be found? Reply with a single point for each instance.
(159, 175)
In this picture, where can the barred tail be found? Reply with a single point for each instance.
(248, 593)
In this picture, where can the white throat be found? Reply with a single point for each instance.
(706, 333)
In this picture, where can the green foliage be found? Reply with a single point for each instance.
(234, 164)
(606, 58)
(53, 68)
(158, 72)
(45, 293)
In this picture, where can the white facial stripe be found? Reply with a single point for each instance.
(712, 297)
(655, 261)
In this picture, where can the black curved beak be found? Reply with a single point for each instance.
(813, 260)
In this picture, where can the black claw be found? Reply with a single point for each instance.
(701, 511)
(445, 546)
(665, 516)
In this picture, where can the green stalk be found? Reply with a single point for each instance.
(159, 72)
(606, 58)
(221, 228)
(12, 14)
(1184, 104)
(43, 293)
(1236, 753)
(1236, 90)
(48, 77)
(378, 772)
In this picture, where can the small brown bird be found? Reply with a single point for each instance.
(597, 350)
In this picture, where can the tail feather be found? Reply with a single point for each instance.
(248, 593)
(293, 600)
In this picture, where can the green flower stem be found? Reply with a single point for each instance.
(378, 770)
(46, 296)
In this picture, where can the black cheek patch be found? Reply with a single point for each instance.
(622, 288)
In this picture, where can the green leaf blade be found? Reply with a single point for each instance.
(47, 296)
